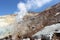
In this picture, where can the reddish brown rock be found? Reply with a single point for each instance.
(47, 17)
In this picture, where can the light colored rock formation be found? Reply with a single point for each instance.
(9, 25)
(6, 25)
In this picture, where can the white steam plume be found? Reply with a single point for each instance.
(30, 4)
(22, 11)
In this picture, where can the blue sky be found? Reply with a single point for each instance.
(10, 6)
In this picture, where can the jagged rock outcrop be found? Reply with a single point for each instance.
(47, 17)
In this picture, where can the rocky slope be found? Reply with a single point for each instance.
(31, 24)
(5, 25)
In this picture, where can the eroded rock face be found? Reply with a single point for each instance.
(31, 23)
(6, 25)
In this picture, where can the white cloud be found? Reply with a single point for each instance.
(36, 3)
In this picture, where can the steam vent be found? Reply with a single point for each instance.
(34, 26)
